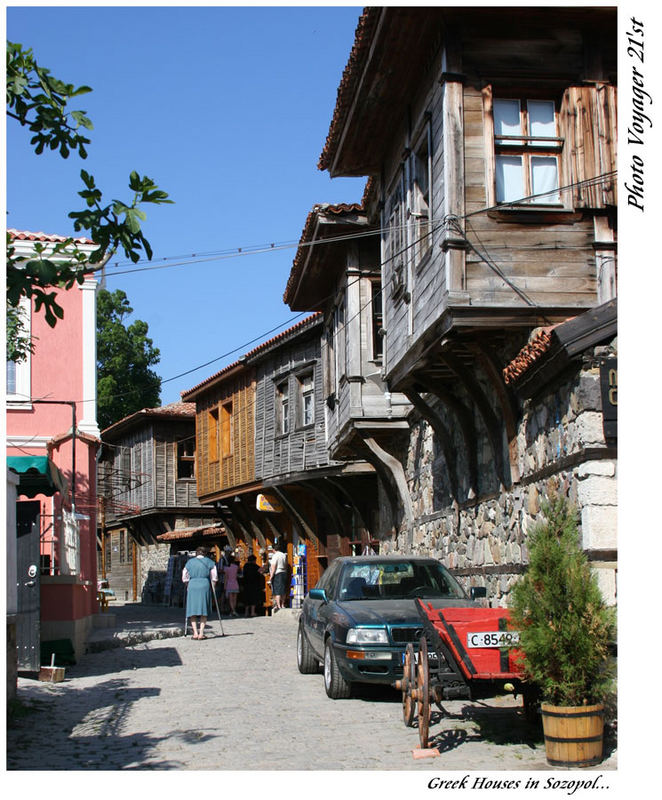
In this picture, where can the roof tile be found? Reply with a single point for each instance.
(40, 236)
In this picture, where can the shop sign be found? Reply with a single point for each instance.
(268, 502)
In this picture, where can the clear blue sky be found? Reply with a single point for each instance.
(227, 109)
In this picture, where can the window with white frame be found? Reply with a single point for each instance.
(395, 237)
(527, 149)
(282, 408)
(339, 342)
(306, 399)
(18, 385)
(377, 320)
(420, 196)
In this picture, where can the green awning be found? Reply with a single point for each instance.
(38, 475)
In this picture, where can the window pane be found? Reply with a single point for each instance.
(308, 417)
(509, 175)
(541, 119)
(11, 377)
(506, 118)
(544, 178)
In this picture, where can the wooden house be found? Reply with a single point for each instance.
(337, 272)
(263, 459)
(488, 137)
(148, 500)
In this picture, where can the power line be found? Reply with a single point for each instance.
(435, 223)
(238, 252)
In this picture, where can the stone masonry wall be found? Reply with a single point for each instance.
(153, 569)
(560, 448)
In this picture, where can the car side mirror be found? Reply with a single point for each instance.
(478, 591)
(317, 594)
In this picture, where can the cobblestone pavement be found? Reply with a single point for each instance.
(238, 702)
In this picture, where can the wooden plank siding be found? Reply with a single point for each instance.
(551, 261)
(302, 447)
(139, 470)
(218, 471)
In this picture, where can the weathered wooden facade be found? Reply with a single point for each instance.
(147, 488)
(337, 272)
(490, 149)
(287, 488)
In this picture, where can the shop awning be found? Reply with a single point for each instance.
(38, 475)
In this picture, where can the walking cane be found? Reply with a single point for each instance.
(185, 617)
(213, 591)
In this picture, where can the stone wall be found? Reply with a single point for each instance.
(560, 448)
(153, 566)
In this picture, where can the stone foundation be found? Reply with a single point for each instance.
(559, 448)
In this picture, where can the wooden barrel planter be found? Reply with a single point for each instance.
(573, 734)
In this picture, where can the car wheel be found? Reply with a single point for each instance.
(336, 686)
(306, 661)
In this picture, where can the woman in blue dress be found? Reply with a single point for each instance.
(200, 575)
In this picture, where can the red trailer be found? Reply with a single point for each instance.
(463, 653)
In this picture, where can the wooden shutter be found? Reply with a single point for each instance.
(589, 126)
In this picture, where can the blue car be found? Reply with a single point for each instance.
(362, 614)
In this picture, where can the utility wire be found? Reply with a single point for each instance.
(434, 224)
(259, 249)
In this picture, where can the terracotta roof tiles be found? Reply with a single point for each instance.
(538, 344)
(300, 326)
(307, 235)
(189, 533)
(40, 236)
(348, 82)
(179, 409)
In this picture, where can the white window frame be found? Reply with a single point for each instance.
(524, 144)
(306, 387)
(396, 253)
(20, 397)
(283, 408)
(339, 340)
(420, 210)
(376, 321)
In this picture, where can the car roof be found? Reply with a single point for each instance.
(386, 558)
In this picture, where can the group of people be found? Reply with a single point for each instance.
(201, 576)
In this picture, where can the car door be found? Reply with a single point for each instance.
(319, 611)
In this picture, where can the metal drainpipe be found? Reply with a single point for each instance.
(71, 403)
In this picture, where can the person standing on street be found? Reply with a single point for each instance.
(253, 581)
(278, 576)
(231, 573)
(200, 576)
(221, 564)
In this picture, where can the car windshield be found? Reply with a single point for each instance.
(397, 580)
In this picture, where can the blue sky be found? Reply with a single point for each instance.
(227, 109)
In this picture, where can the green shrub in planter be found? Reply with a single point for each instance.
(566, 628)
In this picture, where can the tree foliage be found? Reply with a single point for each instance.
(39, 102)
(565, 626)
(125, 354)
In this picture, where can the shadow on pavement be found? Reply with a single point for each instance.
(81, 731)
(125, 658)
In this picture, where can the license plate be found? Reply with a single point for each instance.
(493, 639)
(432, 656)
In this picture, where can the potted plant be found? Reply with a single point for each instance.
(566, 632)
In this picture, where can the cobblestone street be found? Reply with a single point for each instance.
(238, 702)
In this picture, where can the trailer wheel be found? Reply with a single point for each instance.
(423, 693)
(337, 688)
(408, 683)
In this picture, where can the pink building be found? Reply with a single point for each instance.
(52, 439)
